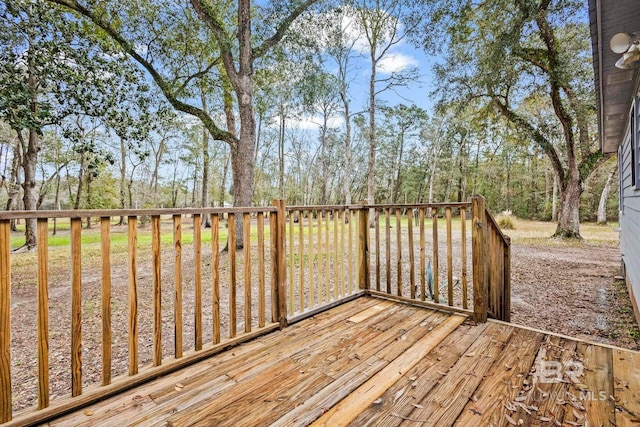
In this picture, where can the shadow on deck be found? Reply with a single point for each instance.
(376, 362)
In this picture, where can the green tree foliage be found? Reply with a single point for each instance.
(507, 54)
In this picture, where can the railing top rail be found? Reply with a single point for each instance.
(422, 205)
(4, 215)
(506, 239)
(380, 206)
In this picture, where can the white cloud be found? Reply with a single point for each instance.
(395, 62)
(308, 123)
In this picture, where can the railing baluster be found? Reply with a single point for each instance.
(43, 313)
(412, 260)
(5, 321)
(350, 234)
(301, 259)
(157, 290)
(399, 251)
(387, 233)
(449, 258)
(423, 264)
(105, 250)
(312, 282)
(246, 230)
(336, 269)
(177, 285)
(133, 295)
(76, 307)
(197, 282)
(320, 272)
(273, 230)
(261, 272)
(376, 224)
(232, 275)
(292, 266)
(215, 278)
(463, 254)
(327, 270)
(436, 280)
(341, 252)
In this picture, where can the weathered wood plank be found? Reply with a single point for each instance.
(177, 285)
(436, 274)
(626, 378)
(341, 253)
(541, 390)
(376, 224)
(399, 260)
(292, 268)
(336, 257)
(320, 281)
(400, 399)
(246, 230)
(133, 294)
(412, 259)
(463, 256)
(5, 321)
(232, 276)
(301, 261)
(443, 404)
(43, 313)
(350, 285)
(365, 314)
(261, 273)
(105, 253)
(197, 281)
(449, 258)
(76, 307)
(480, 276)
(328, 256)
(349, 408)
(387, 235)
(215, 278)
(156, 256)
(595, 388)
(311, 282)
(423, 261)
(505, 378)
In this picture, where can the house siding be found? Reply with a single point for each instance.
(630, 222)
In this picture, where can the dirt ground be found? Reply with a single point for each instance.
(571, 288)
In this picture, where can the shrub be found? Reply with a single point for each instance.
(506, 222)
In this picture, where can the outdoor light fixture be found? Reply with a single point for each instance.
(629, 46)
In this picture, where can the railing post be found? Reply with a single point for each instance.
(363, 249)
(507, 280)
(5, 321)
(280, 270)
(478, 237)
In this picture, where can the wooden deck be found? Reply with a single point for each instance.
(377, 362)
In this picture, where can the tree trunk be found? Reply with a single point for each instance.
(602, 206)
(554, 199)
(347, 151)
(76, 205)
(30, 196)
(281, 130)
(13, 186)
(206, 223)
(569, 215)
(123, 179)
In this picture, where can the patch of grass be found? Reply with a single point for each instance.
(506, 222)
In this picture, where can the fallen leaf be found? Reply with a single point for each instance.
(507, 367)
(417, 405)
(475, 411)
(470, 354)
(511, 420)
(88, 412)
(377, 401)
(398, 395)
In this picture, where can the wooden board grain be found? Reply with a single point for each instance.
(499, 388)
(197, 281)
(5, 321)
(349, 408)
(105, 254)
(43, 313)
(626, 378)
(76, 306)
(133, 294)
(215, 278)
(156, 256)
(177, 286)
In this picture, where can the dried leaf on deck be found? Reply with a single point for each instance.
(88, 412)
(398, 395)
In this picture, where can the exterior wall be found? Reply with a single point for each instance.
(630, 213)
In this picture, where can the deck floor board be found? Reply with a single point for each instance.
(385, 364)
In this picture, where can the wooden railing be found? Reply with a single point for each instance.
(140, 290)
(417, 255)
(132, 286)
(491, 266)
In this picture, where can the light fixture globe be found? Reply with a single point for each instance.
(620, 43)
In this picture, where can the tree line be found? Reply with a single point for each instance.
(168, 103)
